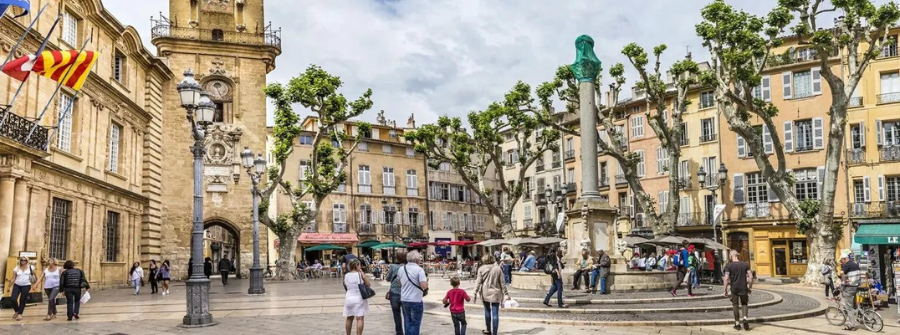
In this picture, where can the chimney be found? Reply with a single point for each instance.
(609, 97)
(688, 57)
(411, 122)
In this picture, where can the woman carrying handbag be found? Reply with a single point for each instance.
(356, 303)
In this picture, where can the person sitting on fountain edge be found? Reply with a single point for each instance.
(583, 269)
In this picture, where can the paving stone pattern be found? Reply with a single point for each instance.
(755, 297)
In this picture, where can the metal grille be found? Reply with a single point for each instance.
(112, 237)
(59, 228)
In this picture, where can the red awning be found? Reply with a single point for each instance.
(418, 244)
(463, 243)
(317, 238)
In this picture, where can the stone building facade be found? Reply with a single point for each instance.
(89, 195)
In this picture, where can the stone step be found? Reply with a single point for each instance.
(761, 299)
(618, 298)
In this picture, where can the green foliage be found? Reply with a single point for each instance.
(810, 208)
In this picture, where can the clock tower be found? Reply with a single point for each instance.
(231, 49)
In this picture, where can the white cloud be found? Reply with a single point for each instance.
(450, 57)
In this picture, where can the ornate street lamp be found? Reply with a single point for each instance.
(199, 113)
(255, 169)
(713, 187)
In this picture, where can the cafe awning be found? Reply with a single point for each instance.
(321, 238)
(878, 234)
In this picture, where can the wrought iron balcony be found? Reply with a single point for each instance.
(876, 209)
(570, 188)
(526, 197)
(528, 223)
(557, 164)
(684, 182)
(620, 179)
(570, 155)
(163, 28)
(366, 229)
(685, 141)
(889, 51)
(539, 198)
(855, 102)
(707, 138)
(690, 219)
(890, 153)
(888, 97)
(416, 231)
(17, 128)
(604, 182)
(756, 210)
(339, 227)
(391, 229)
(539, 167)
(856, 156)
(625, 210)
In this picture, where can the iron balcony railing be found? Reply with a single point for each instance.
(855, 102)
(391, 229)
(707, 138)
(339, 227)
(625, 211)
(570, 188)
(888, 97)
(620, 179)
(539, 167)
(876, 209)
(889, 51)
(856, 156)
(557, 164)
(756, 210)
(604, 182)
(570, 155)
(690, 219)
(366, 229)
(526, 197)
(164, 29)
(684, 182)
(528, 223)
(890, 153)
(416, 231)
(17, 128)
(312, 228)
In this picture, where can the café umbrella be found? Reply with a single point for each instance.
(322, 247)
(389, 245)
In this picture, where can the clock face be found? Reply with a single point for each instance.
(218, 90)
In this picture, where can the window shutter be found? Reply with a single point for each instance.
(640, 164)
(739, 188)
(881, 188)
(766, 88)
(788, 136)
(685, 205)
(866, 190)
(660, 167)
(862, 133)
(879, 133)
(375, 133)
(818, 133)
(767, 140)
(821, 179)
(359, 216)
(741, 147)
(786, 80)
(772, 196)
(816, 80)
(354, 131)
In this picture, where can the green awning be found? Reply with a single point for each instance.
(369, 244)
(878, 234)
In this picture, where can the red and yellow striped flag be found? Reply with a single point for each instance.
(68, 67)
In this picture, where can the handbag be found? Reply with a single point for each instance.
(424, 292)
(365, 291)
(31, 276)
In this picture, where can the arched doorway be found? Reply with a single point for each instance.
(221, 239)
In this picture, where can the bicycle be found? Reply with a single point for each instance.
(837, 315)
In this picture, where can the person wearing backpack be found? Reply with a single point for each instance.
(827, 271)
(681, 263)
(394, 293)
(413, 286)
(651, 262)
(73, 280)
(554, 268)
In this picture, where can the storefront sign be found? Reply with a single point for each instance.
(893, 239)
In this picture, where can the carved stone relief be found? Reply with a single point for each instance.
(222, 144)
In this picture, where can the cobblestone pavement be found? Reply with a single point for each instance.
(720, 301)
(315, 308)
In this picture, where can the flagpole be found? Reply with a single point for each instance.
(58, 86)
(62, 117)
(22, 38)
(39, 51)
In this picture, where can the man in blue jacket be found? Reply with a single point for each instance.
(681, 263)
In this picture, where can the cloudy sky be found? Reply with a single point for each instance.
(449, 57)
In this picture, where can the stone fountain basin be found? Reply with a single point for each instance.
(628, 281)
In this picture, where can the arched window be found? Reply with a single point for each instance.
(218, 35)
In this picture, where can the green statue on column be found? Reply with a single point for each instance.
(587, 65)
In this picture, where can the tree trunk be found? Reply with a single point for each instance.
(822, 247)
(285, 268)
(506, 227)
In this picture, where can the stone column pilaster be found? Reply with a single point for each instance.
(18, 232)
(7, 201)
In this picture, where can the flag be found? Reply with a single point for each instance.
(24, 4)
(68, 67)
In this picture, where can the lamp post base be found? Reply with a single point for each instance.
(256, 281)
(198, 304)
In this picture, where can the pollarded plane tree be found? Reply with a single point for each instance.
(475, 150)
(741, 49)
(317, 91)
(669, 97)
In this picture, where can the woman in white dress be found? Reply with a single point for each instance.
(354, 304)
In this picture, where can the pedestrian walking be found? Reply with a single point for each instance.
(50, 278)
(21, 280)
(506, 263)
(681, 264)
(164, 276)
(492, 290)
(72, 281)
(393, 294)
(413, 286)
(694, 265)
(582, 269)
(224, 267)
(555, 266)
(456, 299)
(739, 278)
(827, 272)
(600, 273)
(207, 267)
(136, 277)
(153, 270)
(355, 306)
(850, 279)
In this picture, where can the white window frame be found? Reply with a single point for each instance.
(364, 178)
(641, 170)
(388, 181)
(412, 183)
(637, 126)
(339, 213)
(70, 29)
(64, 135)
(707, 100)
(662, 160)
(115, 141)
(410, 152)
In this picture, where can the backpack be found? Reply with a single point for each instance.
(676, 260)
(651, 262)
(549, 268)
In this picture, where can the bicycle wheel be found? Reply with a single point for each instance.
(835, 316)
(872, 321)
